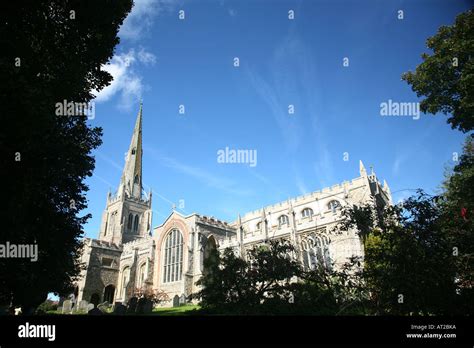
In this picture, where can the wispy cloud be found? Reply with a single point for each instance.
(204, 176)
(301, 185)
(106, 182)
(142, 17)
(119, 168)
(396, 164)
(293, 80)
(266, 181)
(127, 82)
(279, 110)
(323, 167)
(109, 161)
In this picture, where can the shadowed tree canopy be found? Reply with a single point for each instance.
(51, 51)
(446, 77)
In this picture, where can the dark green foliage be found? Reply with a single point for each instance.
(47, 306)
(409, 269)
(409, 266)
(235, 285)
(458, 220)
(271, 282)
(448, 88)
(44, 192)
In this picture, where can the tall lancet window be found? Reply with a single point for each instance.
(125, 280)
(316, 251)
(173, 257)
(141, 276)
(130, 221)
(135, 224)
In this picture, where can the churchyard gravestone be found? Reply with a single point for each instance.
(132, 305)
(176, 301)
(144, 306)
(148, 307)
(82, 305)
(120, 309)
(67, 305)
(104, 306)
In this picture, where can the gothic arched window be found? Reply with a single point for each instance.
(125, 279)
(141, 276)
(283, 220)
(135, 224)
(316, 251)
(173, 257)
(307, 212)
(334, 205)
(130, 221)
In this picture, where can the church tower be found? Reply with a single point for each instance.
(127, 215)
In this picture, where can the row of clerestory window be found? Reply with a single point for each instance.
(305, 213)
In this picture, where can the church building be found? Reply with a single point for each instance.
(129, 254)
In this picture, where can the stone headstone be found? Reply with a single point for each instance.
(104, 306)
(120, 309)
(182, 300)
(90, 307)
(82, 305)
(176, 301)
(132, 305)
(148, 307)
(144, 306)
(67, 305)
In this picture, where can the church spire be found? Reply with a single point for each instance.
(131, 181)
(362, 170)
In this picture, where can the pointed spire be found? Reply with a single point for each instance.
(131, 181)
(385, 186)
(362, 170)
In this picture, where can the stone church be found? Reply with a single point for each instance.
(130, 254)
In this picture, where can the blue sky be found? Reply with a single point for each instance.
(170, 62)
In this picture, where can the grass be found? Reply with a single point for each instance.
(169, 311)
(174, 311)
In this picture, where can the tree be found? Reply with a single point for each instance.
(52, 51)
(155, 296)
(446, 77)
(271, 281)
(249, 286)
(457, 206)
(409, 267)
(331, 290)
